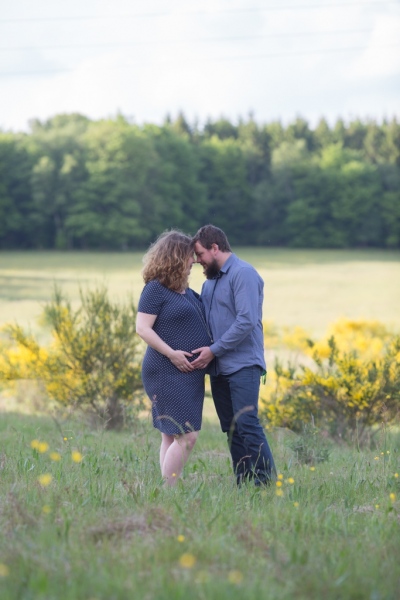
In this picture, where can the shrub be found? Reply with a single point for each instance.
(92, 361)
(343, 388)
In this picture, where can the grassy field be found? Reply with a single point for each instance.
(310, 288)
(104, 528)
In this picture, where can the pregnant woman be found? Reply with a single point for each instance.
(171, 321)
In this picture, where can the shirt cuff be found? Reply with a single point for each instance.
(216, 349)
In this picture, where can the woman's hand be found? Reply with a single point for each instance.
(179, 360)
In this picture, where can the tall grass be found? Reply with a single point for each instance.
(105, 527)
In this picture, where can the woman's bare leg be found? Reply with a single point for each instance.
(166, 441)
(176, 456)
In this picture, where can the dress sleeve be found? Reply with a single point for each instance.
(151, 299)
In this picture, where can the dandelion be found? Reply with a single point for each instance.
(46, 509)
(76, 456)
(45, 479)
(187, 561)
(376, 458)
(312, 468)
(396, 475)
(35, 444)
(278, 484)
(377, 506)
(280, 476)
(296, 504)
(279, 493)
(65, 439)
(392, 496)
(42, 447)
(55, 456)
(382, 453)
(180, 538)
(235, 577)
(387, 451)
(4, 570)
(290, 480)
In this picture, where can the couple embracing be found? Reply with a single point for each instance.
(220, 333)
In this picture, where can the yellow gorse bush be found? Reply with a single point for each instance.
(353, 382)
(92, 359)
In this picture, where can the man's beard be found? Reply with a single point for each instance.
(212, 270)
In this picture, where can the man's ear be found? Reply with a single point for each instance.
(215, 248)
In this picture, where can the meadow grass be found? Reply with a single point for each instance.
(105, 527)
(309, 288)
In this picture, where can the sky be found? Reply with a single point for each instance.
(274, 59)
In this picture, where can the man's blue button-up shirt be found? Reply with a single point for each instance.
(233, 305)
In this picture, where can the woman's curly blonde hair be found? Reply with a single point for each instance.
(167, 260)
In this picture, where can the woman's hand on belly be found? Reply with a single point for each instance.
(179, 360)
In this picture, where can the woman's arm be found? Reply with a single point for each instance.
(144, 328)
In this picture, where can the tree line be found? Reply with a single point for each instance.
(76, 183)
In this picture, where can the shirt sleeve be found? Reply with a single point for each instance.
(151, 299)
(247, 291)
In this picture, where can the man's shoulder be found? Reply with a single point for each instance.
(239, 265)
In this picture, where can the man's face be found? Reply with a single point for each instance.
(206, 258)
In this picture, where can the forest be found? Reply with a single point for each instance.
(111, 184)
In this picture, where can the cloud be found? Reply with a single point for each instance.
(381, 58)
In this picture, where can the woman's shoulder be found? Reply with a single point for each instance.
(154, 284)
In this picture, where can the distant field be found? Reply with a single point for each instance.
(310, 288)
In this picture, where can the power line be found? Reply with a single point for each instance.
(201, 59)
(195, 41)
(196, 12)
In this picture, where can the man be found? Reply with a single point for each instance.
(232, 296)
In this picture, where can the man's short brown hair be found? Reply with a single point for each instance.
(209, 235)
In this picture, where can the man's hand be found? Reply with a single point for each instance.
(205, 357)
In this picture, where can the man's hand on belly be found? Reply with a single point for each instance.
(204, 358)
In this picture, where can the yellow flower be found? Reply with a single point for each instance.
(376, 506)
(280, 476)
(387, 451)
(290, 480)
(35, 444)
(46, 509)
(235, 577)
(187, 561)
(65, 439)
(392, 496)
(55, 456)
(396, 475)
(278, 484)
(43, 447)
(382, 453)
(376, 458)
(312, 468)
(296, 504)
(4, 570)
(76, 456)
(279, 492)
(45, 479)
(181, 538)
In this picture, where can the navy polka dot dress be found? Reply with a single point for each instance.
(176, 397)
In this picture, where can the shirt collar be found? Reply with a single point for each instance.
(228, 263)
